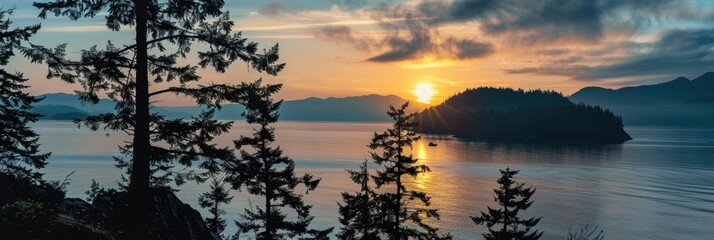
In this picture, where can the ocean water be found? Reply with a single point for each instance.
(658, 186)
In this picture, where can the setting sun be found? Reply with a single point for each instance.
(562, 110)
(424, 92)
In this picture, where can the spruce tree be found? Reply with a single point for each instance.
(212, 200)
(504, 223)
(265, 172)
(359, 215)
(403, 210)
(165, 32)
(19, 153)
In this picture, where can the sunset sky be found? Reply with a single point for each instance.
(337, 48)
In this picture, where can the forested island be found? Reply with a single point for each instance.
(489, 113)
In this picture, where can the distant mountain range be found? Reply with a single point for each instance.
(677, 102)
(368, 108)
(516, 115)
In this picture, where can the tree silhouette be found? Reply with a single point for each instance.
(19, 153)
(212, 200)
(586, 232)
(403, 220)
(167, 30)
(535, 115)
(264, 171)
(359, 215)
(504, 223)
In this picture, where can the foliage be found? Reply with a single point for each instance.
(168, 30)
(19, 153)
(94, 191)
(26, 219)
(586, 232)
(264, 171)
(28, 205)
(403, 211)
(504, 223)
(212, 200)
(359, 215)
(498, 113)
(174, 27)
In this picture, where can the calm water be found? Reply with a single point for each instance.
(658, 186)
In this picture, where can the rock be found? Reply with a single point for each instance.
(35, 209)
(170, 219)
(38, 210)
(14, 188)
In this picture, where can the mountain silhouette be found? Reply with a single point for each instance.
(371, 108)
(517, 115)
(70, 100)
(59, 112)
(367, 108)
(677, 102)
(677, 91)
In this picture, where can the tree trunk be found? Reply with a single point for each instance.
(140, 169)
(397, 231)
(215, 217)
(268, 223)
(505, 215)
(268, 192)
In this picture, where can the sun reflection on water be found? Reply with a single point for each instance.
(422, 180)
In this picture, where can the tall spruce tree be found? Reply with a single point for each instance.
(19, 153)
(212, 200)
(504, 223)
(359, 215)
(167, 29)
(404, 210)
(264, 171)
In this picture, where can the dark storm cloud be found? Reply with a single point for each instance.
(514, 21)
(552, 19)
(466, 49)
(582, 39)
(678, 52)
(408, 38)
(412, 39)
(554, 52)
(559, 70)
(357, 4)
(345, 34)
(422, 46)
(272, 9)
(280, 7)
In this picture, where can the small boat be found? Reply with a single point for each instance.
(432, 144)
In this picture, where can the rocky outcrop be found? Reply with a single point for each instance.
(170, 219)
(38, 210)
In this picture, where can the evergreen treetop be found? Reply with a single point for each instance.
(212, 200)
(133, 75)
(359, 215)
(504, 223)
(264, 171)
(19, 147)
(404, 210)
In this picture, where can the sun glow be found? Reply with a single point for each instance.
(422, 180)
(424, 92)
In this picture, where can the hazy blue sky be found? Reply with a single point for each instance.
(353, 47)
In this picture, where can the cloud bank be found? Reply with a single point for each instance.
(583, 39)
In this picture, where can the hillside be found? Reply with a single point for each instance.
(70, 100)
(507, 114)
(58, 112)
(371, 108)
(677, 102)
(368, 108)
(677, 91)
